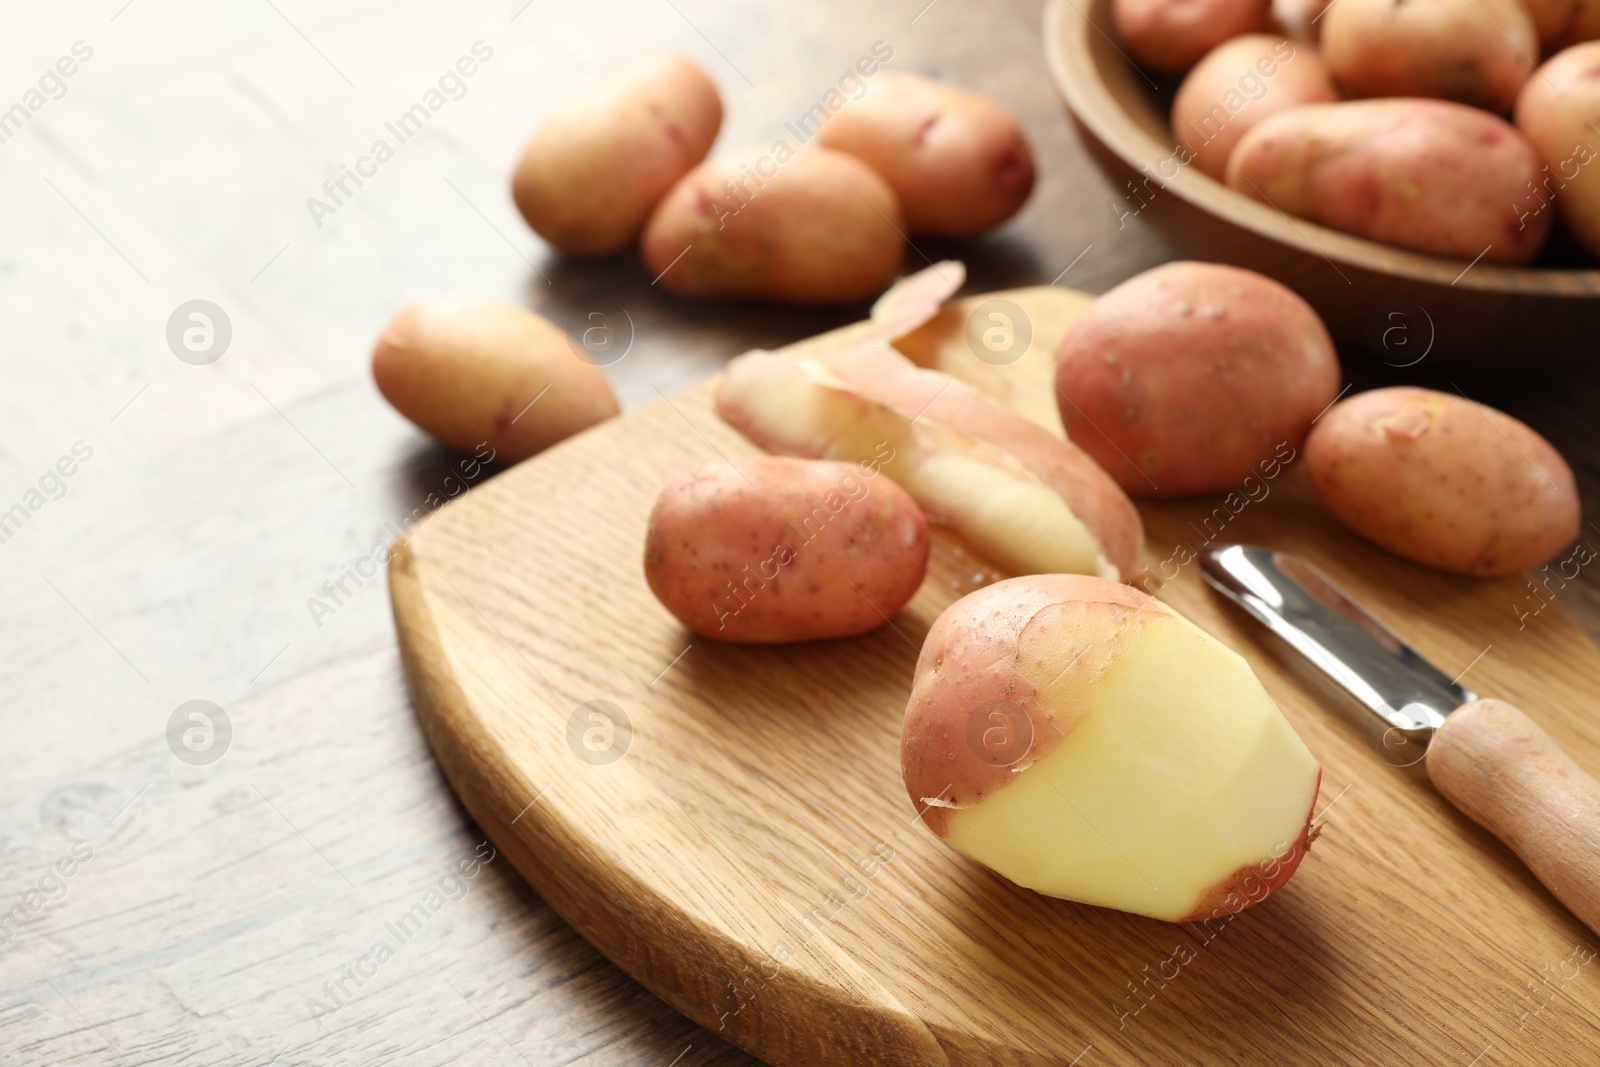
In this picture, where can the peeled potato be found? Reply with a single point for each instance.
(592, 173)
(1086, 741)
(808, 227)
(470, 371)
(957, 160)
(1438, 479)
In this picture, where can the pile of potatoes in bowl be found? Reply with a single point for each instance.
(1428, 125)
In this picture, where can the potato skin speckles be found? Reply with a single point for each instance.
(1440, 480)
(1171, 402)
(777, 549)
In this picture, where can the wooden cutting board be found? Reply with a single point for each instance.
(730, 827)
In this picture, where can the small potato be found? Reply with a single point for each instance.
(808, 227)
(592, 173)
(1431, 176)
(1236, 85)
(470, 371)
(958, 161)
(1557, 112)
(1194, 378)
(1476, 52)
(780, 549)
(1441, 480)
(1171, 35)
(1564, 22)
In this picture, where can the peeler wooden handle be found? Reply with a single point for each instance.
(1509, 776)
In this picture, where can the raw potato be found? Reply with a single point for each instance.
(1194, 378)
(592, 173)
(470, 371)
(1557, 111)
(1171, 35)
(1086, 741)
(1440, 480)
(1236, 85)
(778, 549)
(1564, 22)
(808, 227)
(958, 161)
(1435, 177)
(1476, 52)
(1024, 500)
(1300, 20)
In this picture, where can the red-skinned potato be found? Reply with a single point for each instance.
(1443, 481)
(776, 549)
(597, 166)
(1239, 83)
(808, 227)
(1194, 377)
(1086, 741)
(1476, 52)
(469, 371)
(1172, 35)
(957, 160)
(1557, 112)
(1428, 175)
(1562, 23)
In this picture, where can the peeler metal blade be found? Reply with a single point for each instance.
(1319, 620)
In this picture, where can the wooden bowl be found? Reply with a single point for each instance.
(1401, 306)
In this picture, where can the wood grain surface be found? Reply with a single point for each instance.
(738, 837)
(222, 899)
